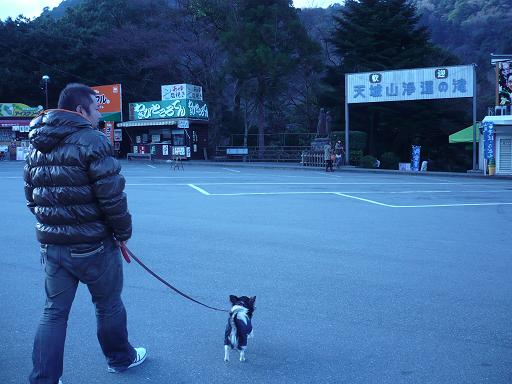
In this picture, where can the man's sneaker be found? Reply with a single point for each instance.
(139, 359)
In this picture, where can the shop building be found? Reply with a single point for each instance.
(496, 134)
(14, 128)
(176, 126)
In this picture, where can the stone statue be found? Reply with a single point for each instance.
(323, 130)
(320, 128)
(328, 120)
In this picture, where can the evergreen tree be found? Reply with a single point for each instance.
(379, 35)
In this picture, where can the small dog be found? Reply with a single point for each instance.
(239, 326)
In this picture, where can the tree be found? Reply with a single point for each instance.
(265, 42)
(378, 35)
(472, 30)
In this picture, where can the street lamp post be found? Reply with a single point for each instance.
(46, 79)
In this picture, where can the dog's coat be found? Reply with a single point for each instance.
(239, 326)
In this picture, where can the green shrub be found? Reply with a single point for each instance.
(389, 160)
(368, 162)
(355, 156)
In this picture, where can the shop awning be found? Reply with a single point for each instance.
(181, 123)
(147, 123)
(14, 122)
(465, 135)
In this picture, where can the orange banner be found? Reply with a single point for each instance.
(109, 99)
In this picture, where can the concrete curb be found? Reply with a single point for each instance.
(353, 169)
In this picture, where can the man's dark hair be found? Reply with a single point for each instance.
(76, 94)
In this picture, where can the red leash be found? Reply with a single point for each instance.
(127, 254)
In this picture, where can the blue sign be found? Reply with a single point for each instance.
(415, 158)
(488, 139)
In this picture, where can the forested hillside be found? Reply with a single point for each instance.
(266, 67)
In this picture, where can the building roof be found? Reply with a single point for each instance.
(499, 120)
(497, 58)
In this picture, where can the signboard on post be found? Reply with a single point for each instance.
(182, 91)
(410, 84)
(109, 99)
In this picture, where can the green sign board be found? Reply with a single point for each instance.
(18, 110)
(164, 109)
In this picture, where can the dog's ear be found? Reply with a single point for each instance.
(233, 299)
(252, 300)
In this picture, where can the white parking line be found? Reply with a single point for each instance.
(425, 205)
(149, 165)
(272, 193)
(366, 200)
(449, 205)
(199, 189)
(331, 183)
(231, 170)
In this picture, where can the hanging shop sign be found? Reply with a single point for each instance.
(109, 130)
(163, 109)
(118, 134)
(109, 99)
(415, 158)
(184, 124)
(488, 127)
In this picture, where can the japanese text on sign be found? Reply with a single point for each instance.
(488, 139)
(410, 84)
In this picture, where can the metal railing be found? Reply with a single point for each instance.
(311, 158)
(499, 110)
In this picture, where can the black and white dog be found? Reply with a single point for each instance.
(239, 326)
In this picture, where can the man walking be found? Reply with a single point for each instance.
(340, 153)
(74, 188)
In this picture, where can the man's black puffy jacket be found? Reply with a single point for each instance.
(73, 183)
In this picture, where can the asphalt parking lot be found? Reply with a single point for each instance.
(359, 278)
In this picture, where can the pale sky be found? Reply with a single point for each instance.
(29, 8)
(32, 8)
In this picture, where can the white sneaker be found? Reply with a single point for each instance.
(139, 359)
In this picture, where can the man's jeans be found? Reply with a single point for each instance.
(100, 267)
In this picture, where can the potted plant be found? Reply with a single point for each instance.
(491, 166)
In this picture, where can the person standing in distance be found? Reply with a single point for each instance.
(74, 188)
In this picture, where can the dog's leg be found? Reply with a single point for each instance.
(242, 355)
(226, 353)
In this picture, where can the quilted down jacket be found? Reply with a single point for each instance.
(73, 184)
